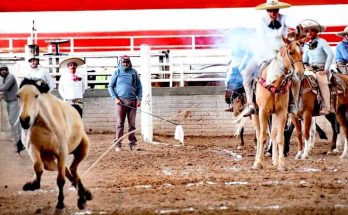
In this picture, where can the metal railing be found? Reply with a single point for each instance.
(173, 68)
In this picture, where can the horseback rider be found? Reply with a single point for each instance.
(341, 56)
(269, 40)
(317, 57)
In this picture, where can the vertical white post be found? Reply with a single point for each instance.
(146, 103)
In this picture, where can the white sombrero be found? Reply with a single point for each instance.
(344, 32)
(76, 60)
(272, 4)
(313, 25)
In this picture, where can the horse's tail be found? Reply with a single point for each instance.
(240, 121)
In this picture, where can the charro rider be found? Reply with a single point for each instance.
(317, 57)
(269, 40)
(341, 56)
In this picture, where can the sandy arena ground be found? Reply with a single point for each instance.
(205, 176)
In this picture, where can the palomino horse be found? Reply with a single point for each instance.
(340, 95)
(309, 107)
(52, 129)
(274, 98)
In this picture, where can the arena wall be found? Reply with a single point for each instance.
(200, 110)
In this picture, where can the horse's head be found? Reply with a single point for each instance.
(29, 95)
(294, 57)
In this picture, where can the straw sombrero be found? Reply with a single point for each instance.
(76, 60)
(313, 25)
(344, 32)
(272, 4)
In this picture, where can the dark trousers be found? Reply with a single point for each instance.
(78, 108)
(121, 113)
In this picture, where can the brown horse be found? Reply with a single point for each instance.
(310, 108)
(274, 98)
(52, 129)
(340, 95)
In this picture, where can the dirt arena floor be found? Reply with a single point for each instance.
(205, 176)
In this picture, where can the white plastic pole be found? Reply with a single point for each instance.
(146, 104)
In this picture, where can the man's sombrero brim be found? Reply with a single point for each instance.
(341, 34)
(76, 60)
(266, 6)
(319, 28)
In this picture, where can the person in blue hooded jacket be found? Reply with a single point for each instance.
(126, 91)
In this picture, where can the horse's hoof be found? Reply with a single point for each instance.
(344, 157)
(336, 151)
(329, 152)
(88, 195)
(281, 168)
(268, 154)
(257, 166)
(240, 147)
(31, 186)
(304, 157)
(81, 203)
(298, 156)
(60, 205)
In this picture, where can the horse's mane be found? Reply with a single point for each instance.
(41, 85)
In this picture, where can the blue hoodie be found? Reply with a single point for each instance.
(125, 83)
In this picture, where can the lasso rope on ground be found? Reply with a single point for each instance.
(126, 134)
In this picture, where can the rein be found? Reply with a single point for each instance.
(286, 82)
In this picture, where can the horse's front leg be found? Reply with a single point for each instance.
(341, 118)
(307, 119)
(38, 168)
(298, 128)
(263, 122)
(281, 119)
(241, 134)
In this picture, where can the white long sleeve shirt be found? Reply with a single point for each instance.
(70, 89)
(41, 73)
(270, 40)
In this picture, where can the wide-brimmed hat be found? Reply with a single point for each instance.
(272, 4)
(31, 57)
(344, 32)
(76, 60)
(312, 25)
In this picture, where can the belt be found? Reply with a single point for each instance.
(74, 101)
(316, 67)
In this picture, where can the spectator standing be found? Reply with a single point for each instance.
(72, 83)
(39, 73)
(9, 88)
(126, 91)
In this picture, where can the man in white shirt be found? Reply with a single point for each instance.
(37, 72)
(270, 30)
(72, 83)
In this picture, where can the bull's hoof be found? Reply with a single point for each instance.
(60, 205)
(31, 186)
(81, 203)
(88, 195)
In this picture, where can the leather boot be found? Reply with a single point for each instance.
(293, 103)
(249, 96)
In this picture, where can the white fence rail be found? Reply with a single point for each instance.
(174, 68)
